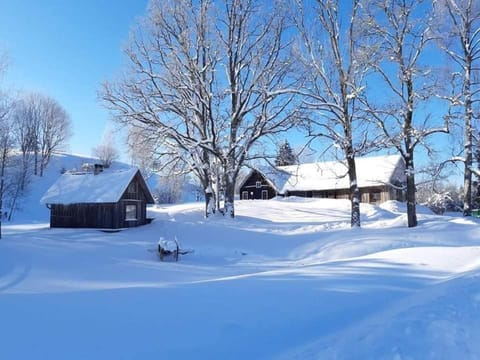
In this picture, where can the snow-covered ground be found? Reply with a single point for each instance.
(286, 279)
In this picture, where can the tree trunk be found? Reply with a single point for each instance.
(411, 196)
(13, 203)
(35, 167)
(467, 176)
(354, 191)
(24, 172)
(230, 196)
(409, 149)
(229, 202)
(42, 165)
(217, 188)
(2, 184)
(205, 177)
(209, 203)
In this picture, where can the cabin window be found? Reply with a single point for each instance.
(258, 184)
(375, 196)
(244, 195)
(264, 194)
(130, 212)
(132, 188)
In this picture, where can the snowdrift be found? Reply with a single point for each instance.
(288, 278)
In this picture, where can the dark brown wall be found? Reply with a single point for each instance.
(84, 215)
(255, 193)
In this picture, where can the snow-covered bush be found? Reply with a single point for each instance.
(169, 189)
(446, 198)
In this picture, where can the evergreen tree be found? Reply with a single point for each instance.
(285, 155)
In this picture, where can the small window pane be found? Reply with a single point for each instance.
(132, 188)
(131, 212)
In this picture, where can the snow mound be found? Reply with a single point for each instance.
(400, 207)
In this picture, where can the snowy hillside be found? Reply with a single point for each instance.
(287, 279)
(29, 207)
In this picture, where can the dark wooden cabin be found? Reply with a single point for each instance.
(109, 200)
(380, 179)
(257, 186)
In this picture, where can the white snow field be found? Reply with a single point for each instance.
(286, 279)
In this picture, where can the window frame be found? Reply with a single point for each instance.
(265, 192)
(375, 196)
(127, 212)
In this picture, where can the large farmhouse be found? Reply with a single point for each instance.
(98, 199)
(379, 178)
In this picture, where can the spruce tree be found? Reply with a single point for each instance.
(285, 155)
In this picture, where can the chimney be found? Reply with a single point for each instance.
(97, 169)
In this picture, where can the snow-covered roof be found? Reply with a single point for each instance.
(81, 188)
(331, 175)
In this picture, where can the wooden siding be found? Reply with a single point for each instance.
(372, 195)
(104, 215)
(84, 215)
(253, 191)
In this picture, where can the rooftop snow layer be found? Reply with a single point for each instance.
(78, 188)
(371, 171)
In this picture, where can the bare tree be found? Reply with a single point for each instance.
(168, 93)
(334, 65)
(106, 150)
(42, 126)
(402, 31)
(459, 37)
(169, 188)
(6, 144)
(54, 130)
(258, 65)
(209, 82)
(142, 150)
(26, 127)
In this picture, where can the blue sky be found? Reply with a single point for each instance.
(65, 49)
